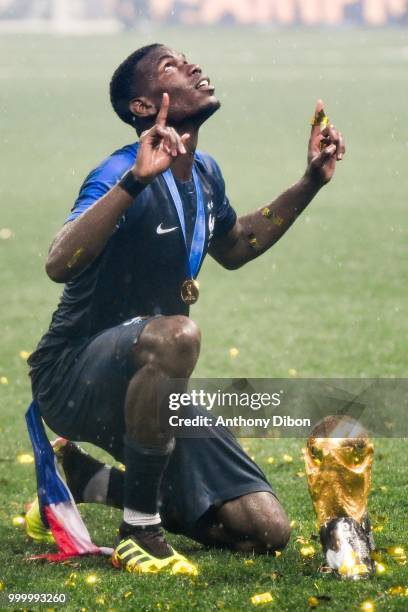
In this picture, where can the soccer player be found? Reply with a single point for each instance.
(129, 255)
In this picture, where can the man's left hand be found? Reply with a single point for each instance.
(326, 148)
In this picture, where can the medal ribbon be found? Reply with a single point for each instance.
(197, 244)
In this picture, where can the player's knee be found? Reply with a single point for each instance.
(269, 536)
(172, 344)
(182, 340)
(265, 537)
(258, 521)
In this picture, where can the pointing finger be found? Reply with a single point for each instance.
(319, 107)
(318, 117)
(164, 110)
(165, 139)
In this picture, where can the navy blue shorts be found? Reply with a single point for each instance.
(81, 394)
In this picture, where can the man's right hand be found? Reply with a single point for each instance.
(158, 147)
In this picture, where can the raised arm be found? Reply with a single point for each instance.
(80, 242)
(256, 232)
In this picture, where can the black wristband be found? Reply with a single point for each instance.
(131, 185)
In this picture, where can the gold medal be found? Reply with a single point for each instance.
(190, 291)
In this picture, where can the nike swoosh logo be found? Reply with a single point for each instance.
(161, 230)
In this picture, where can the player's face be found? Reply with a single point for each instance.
(191, 93)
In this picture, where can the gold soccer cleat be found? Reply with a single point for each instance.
(35, 527)
(130, 556)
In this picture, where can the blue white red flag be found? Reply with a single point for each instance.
(57, 506)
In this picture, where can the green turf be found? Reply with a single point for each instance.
(329, 300)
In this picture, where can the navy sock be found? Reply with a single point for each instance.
(144, 470)
(116, 488)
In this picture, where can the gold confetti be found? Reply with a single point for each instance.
(287, 458)
(75, 257)
(278, 553)
(2, 585)
(352, 568)
(5, 233)
(24, 355)
(313, 602)
(233, 352)
(398, 591)
(308, 551)
(261, 598)
(249, 562)
(398, 554)
(380, 568)
(270, 460)
(25, 459)
(383, 488)
(266, 212)
(396, 551)
(252, 240)
(293, 524)
(128, 594)
(3, 380)
(91, 579)
(300, 474)
(367, 606)
(320, 119)
(100, 601)
(122, 467)
(292, 372)
(18, 521)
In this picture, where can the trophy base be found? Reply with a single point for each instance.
(347, 546)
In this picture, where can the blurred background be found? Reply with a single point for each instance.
(72, 16)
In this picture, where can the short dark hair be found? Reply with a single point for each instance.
(123, 87)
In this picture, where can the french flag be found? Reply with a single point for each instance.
(57, 506)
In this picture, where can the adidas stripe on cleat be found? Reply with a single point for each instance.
(130, 556)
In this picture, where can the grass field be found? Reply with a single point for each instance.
(328, 301)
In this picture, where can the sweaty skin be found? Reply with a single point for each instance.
(172, 109)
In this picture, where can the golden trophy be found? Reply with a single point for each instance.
(338, 458)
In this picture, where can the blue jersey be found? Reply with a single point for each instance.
(142, 267)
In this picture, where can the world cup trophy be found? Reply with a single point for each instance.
(338, 458)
